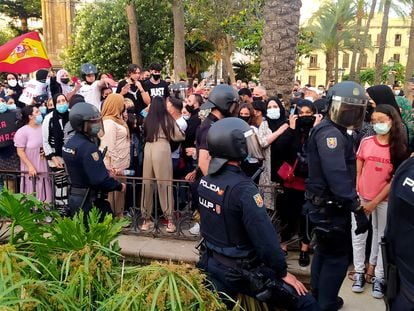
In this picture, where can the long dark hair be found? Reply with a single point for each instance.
(158, 116)
(397, 140)
(27, 111)
(251, 111)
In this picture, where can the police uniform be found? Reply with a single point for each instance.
(89, 178)
(331, 196)
(240, 237)
(399, 235)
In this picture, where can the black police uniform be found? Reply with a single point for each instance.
(399, 235)
(88, 175)
(243, 254)
(331, 196)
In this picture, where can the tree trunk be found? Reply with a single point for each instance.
(280, 34)
(336, 62)
(180, 70)
(410, 61)
(330, 60)
(133, 34)
(359, 16)
(227, 55)
(382, 43)
(24, 28)
(362, 42)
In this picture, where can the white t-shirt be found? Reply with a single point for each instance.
(91, 93)
(182, 124)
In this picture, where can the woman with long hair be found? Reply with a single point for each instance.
(116, 138)
(378, 158)
(29, 143)
(159, 129)
(52, 132)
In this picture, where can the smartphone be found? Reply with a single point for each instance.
(75, 80)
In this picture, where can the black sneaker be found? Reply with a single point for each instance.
(340, 302)
(378, 288)
(359, 282)
(304, 259)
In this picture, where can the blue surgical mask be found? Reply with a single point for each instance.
(381, 128)
(273, 113)
(12, 107)
(144, 113)
(62, 108)
(94, 129)
(43, 110)
(39, 119)
(3, 107)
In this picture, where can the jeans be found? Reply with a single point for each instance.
(327, 274)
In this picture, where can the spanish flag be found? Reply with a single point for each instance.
(23, 54)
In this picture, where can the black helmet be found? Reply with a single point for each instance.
(347, 104)
(223, 97)
(231, 139)
(82, 112)
(88, 69)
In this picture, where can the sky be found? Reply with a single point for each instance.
(308, 8)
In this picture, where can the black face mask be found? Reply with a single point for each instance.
(255, 98)
(305, 122)
(156, 77)
(50, 110)
(195, 84)
(64, 80)
(190, 109)
(246, 119)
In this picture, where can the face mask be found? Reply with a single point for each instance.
(186, 117)
(189, 108)
(11, 107)
(156, 77)
(310, 98)
(62, 108)
(381, 128)
(43, 109)
(195, 84)
(12, 82)
(39, 119)
(50, 109)
(144, 113)
(397, 92)
(21, 83)
(273, 113)
(94, 129)
(3, 107)
(305, 121)
(246, 119)
(255, 98)
(64, 80)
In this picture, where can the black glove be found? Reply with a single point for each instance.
(362, 221)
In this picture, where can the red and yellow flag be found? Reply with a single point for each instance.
(23, 54)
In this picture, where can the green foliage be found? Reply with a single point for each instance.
(6, 35)
(198, 55)
(101, 36)
(21, 9)
(246, 71)
(397, 71)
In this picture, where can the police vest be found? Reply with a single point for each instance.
(221, 224)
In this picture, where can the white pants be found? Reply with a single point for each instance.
(359, 243)
(379, 221)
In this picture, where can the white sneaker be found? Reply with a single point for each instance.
(195, 230)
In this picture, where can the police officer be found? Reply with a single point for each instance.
(242, 253)
(330, 191)
(89, 178)
(399, 238)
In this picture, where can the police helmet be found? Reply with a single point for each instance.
(224, 98)
(231, 139)
(88, 69)
(81, 115)
(178, 90)
(347, 104)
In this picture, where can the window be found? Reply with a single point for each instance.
(364, 61)
(313, 61)
(397, 41)
(345, 60)
(312, 80)
(396, 57)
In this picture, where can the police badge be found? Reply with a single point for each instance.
(331, 142)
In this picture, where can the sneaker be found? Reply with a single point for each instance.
(147, 225)
(195, 230)
(378, 288)
(359, 282)
(304, 259)
(171, 228)
(339, 302)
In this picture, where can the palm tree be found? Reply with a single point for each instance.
(332, 26)
(179, 40)
(280, 35)
(409, 69)
(382, 42)
(133, 33)
(359, 16)
(198, 54)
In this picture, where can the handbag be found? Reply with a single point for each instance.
(286, 172)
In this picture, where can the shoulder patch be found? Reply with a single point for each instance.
(95, 156)
(258, 199)
(69, 150)
(331, 142)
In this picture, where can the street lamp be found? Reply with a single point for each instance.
(391, 73)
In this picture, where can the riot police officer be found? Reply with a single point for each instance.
(242, 252)
(89, 178)
(399, 238)
(331, 193)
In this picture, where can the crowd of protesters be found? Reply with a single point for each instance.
(150, 129)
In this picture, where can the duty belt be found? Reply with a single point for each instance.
(321, 201)
(78, 191)
(245, 263)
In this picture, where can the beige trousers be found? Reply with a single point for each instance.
(117, 200)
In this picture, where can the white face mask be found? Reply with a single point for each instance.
(397, 92)
(273, 113)
(310, 98)
(186, 117)
(12, 82)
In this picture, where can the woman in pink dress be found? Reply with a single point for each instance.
(29, 143)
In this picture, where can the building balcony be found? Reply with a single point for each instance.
(314, 66)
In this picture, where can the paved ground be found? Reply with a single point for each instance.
(143, 249)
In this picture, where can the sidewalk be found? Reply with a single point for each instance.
(144, 249)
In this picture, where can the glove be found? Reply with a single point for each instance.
(362, 222)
